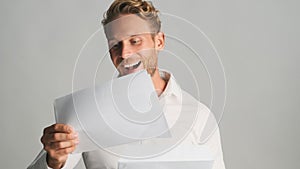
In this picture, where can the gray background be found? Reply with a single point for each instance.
(258, 42)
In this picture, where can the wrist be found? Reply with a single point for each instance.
(53, 163)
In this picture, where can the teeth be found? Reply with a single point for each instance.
(130, 65)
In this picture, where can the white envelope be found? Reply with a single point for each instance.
(120, 111)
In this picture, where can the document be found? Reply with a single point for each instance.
(181, 157)
(120, 111)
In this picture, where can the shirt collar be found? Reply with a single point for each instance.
(172, 87)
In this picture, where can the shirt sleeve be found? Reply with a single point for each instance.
(41, 163)
(213, 142)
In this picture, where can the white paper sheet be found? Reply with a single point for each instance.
(181, 157)
(120, 111)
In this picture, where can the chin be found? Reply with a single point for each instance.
(124, 73)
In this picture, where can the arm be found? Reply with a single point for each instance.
(214, 144)
(206, 120)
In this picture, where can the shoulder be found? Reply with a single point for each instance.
(189, 100)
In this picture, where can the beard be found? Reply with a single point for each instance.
(148, 59)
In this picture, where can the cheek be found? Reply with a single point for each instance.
(149, 58)
(113, 57)
(114, 60)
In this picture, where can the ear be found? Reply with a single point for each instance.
(160, 41)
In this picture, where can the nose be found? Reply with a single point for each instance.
(127, 50)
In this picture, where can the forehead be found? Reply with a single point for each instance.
(126, 26)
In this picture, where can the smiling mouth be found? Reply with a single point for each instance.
(132, 65)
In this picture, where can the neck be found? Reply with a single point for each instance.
(159, 83)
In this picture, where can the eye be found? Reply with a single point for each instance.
(136, 41)
(115, 46)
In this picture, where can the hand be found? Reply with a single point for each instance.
(59, 140)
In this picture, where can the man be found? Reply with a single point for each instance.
(132, 28)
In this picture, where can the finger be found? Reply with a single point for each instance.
(63, 144)
(65, 151)
(58, 137)
(59, 128)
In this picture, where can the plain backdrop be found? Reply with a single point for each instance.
(257, 40)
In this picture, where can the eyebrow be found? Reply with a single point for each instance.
(115, 41)
(129, 36)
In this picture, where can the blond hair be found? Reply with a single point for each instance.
(143, 9)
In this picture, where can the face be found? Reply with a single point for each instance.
(132, 45)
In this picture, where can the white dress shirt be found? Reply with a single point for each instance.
(186, 118)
